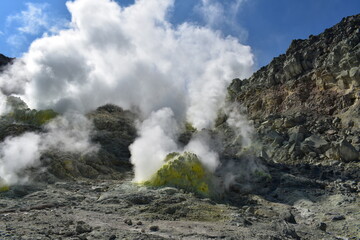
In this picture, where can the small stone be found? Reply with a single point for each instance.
(113, 237)
(82, 227)
(154, 228)
(288, 217)
(336, 120)
(250, 210)
(316, 143)
(139, 223)
(322, 226)
(347, 151)
(297, 134)
(331, 132)
(338, 218)
(247, 222)
(312, 154)
(128, 221)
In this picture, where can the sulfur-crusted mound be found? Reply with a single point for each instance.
(183, 171)
(3, 186)
(21, 114)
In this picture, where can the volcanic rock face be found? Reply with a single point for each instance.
(4, 61)
(307, 100)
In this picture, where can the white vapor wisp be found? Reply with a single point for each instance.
(2, 103)
(133, 57)
(156, 140)
(69, 133)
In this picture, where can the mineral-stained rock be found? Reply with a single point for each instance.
(3, 186)
(182, 171)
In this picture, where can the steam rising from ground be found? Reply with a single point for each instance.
(69, 133)
(133, 57)
(2, 103)
(156, 140)
(240, 124)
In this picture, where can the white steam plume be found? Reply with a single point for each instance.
(200, 146)
(17, 153)
(156, 140)
(239, 123)
(2, 103)
(158, 137)
(133, 57)
(70, 134)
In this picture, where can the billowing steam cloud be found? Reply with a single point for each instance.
(133, 57)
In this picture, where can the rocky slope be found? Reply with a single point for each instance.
(306, 101)
(304, 109)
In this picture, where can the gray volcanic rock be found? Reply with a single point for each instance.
(309, 96)
(305, 109)
(115, 130)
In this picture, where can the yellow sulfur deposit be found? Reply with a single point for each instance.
(33, 116)
(4, 187)
(182, 171)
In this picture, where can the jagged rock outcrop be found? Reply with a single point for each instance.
(4, 60)
(305, 102)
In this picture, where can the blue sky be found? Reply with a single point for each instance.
(267, 26)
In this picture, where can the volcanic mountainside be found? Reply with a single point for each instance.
(305, 109)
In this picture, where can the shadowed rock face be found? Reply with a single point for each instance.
(115, 130)
(4, 61)
(307, 100)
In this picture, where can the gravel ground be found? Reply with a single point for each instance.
(293, 208)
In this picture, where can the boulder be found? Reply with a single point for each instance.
(346, 151)
(274, 136)
(316, 144)
(297, 134)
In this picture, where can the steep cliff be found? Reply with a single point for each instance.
(305, 103)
